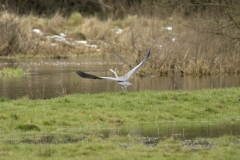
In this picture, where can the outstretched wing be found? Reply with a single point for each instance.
(85, 75)
(135, 69)
(90, 76)
(119, 79)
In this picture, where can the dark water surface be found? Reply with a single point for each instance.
(50, 78)
(181, 130)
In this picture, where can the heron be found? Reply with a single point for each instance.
(124, 85)
(122, 80)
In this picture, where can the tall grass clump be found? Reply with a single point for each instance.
(55, 24)
(95, 29)
(15, 37)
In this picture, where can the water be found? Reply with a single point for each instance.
(165, 129)
(188, 133)
(50, 78)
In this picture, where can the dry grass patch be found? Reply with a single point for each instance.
(15, 37)
(180, 45)
(95, 29)
(76, 36)
(55, 25)
(194, 46)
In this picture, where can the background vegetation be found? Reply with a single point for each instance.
(188, 37)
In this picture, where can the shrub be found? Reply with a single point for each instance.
(75, 18)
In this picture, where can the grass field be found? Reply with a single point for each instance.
(30, 128)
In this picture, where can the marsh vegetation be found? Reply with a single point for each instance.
(187, 39)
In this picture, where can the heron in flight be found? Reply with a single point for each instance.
(123, 80)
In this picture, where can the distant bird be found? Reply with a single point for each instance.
(121, 80)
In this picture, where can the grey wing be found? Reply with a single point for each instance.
(113, 79)
(90, 76)
(135, 69)
(122, 78)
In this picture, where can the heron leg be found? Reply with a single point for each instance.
(114, 72)
(123, 88)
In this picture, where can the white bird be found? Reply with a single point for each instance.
(123, 80)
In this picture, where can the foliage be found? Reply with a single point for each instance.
(75, 18)
(11, 72)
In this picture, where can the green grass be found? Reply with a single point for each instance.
(109, 149)
(8, 71)
(27, 125)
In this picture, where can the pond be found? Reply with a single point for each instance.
(48, 78)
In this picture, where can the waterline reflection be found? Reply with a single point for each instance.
(48, 78)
